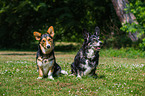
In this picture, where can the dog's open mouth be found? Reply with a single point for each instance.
(97, 48)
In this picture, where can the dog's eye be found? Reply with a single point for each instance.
(94, 38)
(49, 39)
(43, 40)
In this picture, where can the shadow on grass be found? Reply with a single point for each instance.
(98, 76)
(101, 76)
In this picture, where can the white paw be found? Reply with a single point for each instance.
(64, 72)
(50, 77)
(71, 75)
(79, 77)
(39, 78)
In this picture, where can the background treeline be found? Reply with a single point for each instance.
(20, 18)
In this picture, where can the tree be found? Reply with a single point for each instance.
(124, 17)
(19, 18)
(137, 7)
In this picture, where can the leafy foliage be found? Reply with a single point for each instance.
(138, 9)
(19, 19)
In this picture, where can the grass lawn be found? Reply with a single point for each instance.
(117, 75)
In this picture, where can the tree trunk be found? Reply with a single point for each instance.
(119, 6)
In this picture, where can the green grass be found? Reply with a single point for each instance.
(118, 74)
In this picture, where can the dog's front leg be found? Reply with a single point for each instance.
(78, 74)
(50, 73)
(40, 72)
(39, 63)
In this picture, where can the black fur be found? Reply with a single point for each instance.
(87, 55)
(47, 56)
(56, 66)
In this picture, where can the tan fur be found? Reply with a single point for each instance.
(51, 31)
(37, 35)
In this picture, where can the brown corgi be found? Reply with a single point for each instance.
(45, 59)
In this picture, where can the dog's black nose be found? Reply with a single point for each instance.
(100, 42)
(48, 46)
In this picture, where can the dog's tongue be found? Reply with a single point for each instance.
(98, 47)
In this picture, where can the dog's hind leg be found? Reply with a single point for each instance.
(93, 73)
(73, 70)
(58, 71)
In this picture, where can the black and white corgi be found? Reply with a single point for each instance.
(86, 60)
(45, 59)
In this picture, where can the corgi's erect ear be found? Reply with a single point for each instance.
(37, 35)
(97, 31)
(86, 34)
(51, 31)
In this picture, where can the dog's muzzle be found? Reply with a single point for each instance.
(98, 46)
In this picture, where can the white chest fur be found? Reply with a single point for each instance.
(45, 64)
(90, 53)
(87, 67)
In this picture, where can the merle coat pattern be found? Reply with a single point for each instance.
(87, 59)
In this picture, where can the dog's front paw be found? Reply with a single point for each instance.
(64, 72)
(71, 75)
(79, 77)
(50, 77)
(39, 78)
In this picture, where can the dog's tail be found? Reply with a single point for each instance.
(64, 72)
